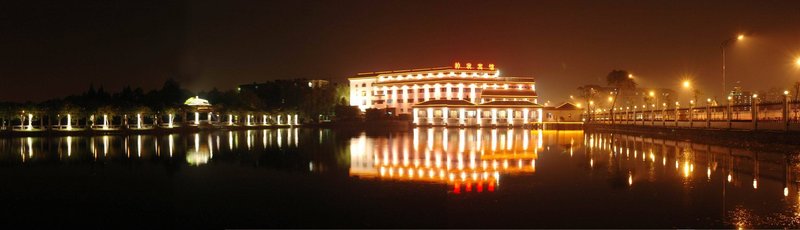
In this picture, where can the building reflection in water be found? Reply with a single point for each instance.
(466, 159)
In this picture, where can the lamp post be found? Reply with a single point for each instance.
(677, 106)
(785, 110)
(691, 113)
(664, 114)
(708, 113)
(754, 111)
(652, 94)
(723, 47)
(688, 85)
(729, 112)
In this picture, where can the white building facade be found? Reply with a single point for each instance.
(460, 95)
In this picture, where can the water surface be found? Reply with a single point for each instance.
(425, 177)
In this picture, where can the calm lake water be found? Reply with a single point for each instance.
(426, 177)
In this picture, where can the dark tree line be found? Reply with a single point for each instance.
(290, 96)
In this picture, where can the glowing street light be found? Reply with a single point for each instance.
(687, 84)
(797, 62)
(723, 47)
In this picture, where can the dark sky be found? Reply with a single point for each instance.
(54, 49)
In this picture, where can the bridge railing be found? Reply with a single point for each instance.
(767, 115)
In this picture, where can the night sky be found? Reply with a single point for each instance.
(53, 49)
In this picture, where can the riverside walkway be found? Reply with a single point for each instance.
(769, 116)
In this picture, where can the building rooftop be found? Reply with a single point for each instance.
(509, 92)
(444, 102)
(567, 106)
(514, 103)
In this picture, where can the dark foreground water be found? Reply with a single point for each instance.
(465, 178)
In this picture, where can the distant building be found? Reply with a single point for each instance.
(255, 87)
(318, 83)
(740, 97)
(566, 112)
(459, 95)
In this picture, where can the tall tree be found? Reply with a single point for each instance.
(623, 84)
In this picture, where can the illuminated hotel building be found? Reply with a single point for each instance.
(460, 95)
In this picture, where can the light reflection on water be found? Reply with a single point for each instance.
(727, 187)
(467, 159)
(198, 148)
(741, 180)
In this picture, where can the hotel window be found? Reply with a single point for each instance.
(501, 114)
(486, 114)
(389, 101)
(437, 113)
(421, 90)
(453, 114)
(409, 100)
(454, 89)
(431, 90)
(363, 84)
(517, 114)
(363, 93)
(471, 114)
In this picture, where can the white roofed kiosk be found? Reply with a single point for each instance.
(200, 111)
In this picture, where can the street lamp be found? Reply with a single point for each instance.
(797, 62)
(688, 85)
(652, 95)
(723, 47)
